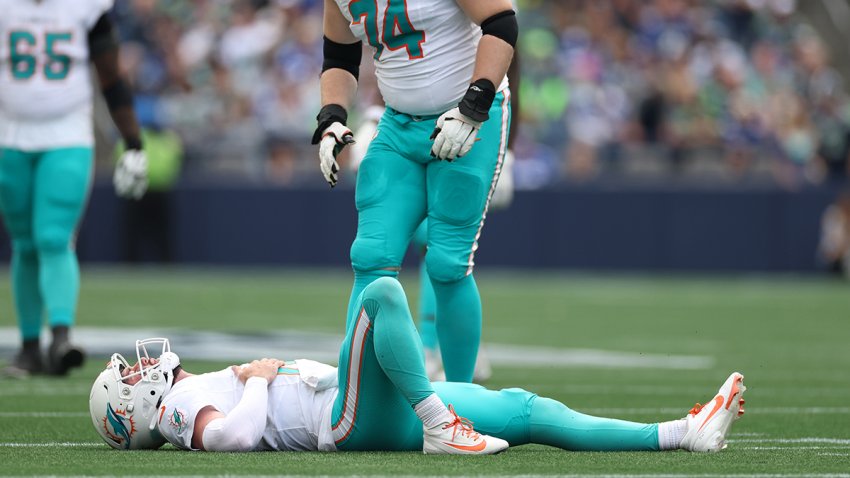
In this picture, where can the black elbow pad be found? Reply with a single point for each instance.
(345, 56)
(502, 25)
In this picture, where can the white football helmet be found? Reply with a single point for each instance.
(125, 415)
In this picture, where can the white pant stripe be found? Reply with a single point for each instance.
(503, 143)
(343, 427)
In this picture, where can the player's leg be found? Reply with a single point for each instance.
(522, 417)
(62, 182)
(385, 399)
(458, 193)
(426, 318)
(381, 375)
(390, 200)
(16, 189)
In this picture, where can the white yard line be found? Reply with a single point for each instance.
(750, 411)
(63, 444)
(43, 414)
(642, 475)
(829, 441)
(592, 411)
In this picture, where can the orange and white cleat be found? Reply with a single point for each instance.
(459, 438)
(708, 424)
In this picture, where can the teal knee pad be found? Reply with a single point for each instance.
(445, 267)
(24, 247)
(369, 254)
(52, 239)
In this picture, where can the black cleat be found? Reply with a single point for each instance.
(24, 365)
(63, 356)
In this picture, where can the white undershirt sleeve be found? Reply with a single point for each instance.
(243, 427)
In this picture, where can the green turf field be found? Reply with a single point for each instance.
(789, 336)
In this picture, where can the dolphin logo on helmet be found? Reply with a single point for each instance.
(122, 398)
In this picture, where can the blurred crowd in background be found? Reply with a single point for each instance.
(703, 91)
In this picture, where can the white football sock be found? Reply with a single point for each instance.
(432, 411)
(670, 434)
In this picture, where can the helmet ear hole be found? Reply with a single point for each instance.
(153, 392)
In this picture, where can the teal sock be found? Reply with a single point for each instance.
(60, 285)
(28, 303)
(458, 326)
(427, 310)
(553, 423)
(361, 280)
(396, 342)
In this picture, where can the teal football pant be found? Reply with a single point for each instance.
(399, 184)
(382, 377)
(42, 195)
(427, 302)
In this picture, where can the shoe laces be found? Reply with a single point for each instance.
(696, 409)
(461, 425)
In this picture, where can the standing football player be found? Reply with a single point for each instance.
(439, 148)
(46, 158)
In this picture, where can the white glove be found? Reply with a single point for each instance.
(454, 135)
(131, 174)
(334, 138)
(503, 195)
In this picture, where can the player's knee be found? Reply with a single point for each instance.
(386, 290)
(368, 254)
(523, 399)
(24, 247)
(461, 203)
(445, 267)
(52, 240)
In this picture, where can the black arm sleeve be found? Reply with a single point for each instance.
(102, 36)
(502, 25)
(345, 56)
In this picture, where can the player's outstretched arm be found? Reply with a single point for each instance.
(131, 178)
(340, 70)
(457, 128)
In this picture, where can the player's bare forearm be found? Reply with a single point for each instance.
(118, 97)
(338, 87)
(492, 60)
(496, 48)
(494, 54)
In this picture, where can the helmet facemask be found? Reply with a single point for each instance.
(124, 414)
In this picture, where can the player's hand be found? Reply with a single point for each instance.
(454, 135)
(131, 174)
(334, 138)
(266, 368)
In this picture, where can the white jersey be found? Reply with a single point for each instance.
(298, 416)
(45, 84)
(424, 50)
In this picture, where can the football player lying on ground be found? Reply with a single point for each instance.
(378, 399)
